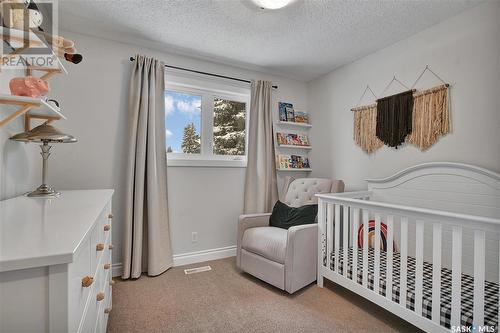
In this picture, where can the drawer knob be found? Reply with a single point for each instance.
(107, 227)
(107, 310)
(111, 246)
(87, 281)
(107, 266)
(99, 247)
(100, 296)
(112, 282)
(110, 216)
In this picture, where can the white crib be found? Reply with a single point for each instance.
(443, 221)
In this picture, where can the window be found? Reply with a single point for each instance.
(229, 127)
(182, 122)
(205, 121)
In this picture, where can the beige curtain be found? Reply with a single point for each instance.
(146, 246)
(261, 189)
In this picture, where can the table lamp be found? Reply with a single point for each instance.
(44, 134)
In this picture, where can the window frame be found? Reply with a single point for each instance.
(208, 89)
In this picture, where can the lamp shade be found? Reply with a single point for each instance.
(44, 133)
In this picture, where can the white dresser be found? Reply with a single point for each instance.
(55, 263)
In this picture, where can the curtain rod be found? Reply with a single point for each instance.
(206, 73)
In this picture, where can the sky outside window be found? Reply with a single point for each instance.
(181, 110)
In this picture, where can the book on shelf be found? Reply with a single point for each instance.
(301, 117)
(285, 111)
(292, 162)
(291, 139)
(288, 114)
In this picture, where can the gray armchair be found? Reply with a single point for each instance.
(286, 259)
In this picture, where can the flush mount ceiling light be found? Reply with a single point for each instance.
(272, 4)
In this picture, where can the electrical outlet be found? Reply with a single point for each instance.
(194, 237)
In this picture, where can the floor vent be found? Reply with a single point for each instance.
(197, 270)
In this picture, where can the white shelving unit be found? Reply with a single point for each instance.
(31, 108)
(289, 127)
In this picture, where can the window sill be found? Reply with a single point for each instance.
(206, 163)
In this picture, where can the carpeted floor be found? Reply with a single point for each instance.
(226, 300)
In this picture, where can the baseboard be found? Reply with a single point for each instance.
(205, 255)
(191, 257)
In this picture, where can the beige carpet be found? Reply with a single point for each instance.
(226, 300)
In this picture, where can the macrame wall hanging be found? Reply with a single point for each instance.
(431, 114)
(416, 117)
(365, 123)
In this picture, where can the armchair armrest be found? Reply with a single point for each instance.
(301, 256)
(245, 222)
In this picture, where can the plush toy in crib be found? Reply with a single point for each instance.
(29, 86)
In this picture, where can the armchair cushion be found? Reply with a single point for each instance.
(284, 216)
(268, 242)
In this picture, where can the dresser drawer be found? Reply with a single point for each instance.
(105, 307)
(103, 268)
(100, 237)
(81, 281)
(89, 319)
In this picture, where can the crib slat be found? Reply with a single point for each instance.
(345, 240)
(479, 261)
(456, 274)
(436, 273)
(365, 247)
(376, 282)
(355, 226)
(404, 259)
(390, 242)
(336, 243)
(329, 235)
(321, 241)
(419, 269)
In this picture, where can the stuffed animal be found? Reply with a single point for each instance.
(28, 86)
(62, 47)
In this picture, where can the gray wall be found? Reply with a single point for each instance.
(93, 97)
(464, 50)
(19, 162)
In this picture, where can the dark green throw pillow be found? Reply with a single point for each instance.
(284, 216)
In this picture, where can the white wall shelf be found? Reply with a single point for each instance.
(295, 147)
(291, 123)
(20, 41)
(34, 107)
(295, 170)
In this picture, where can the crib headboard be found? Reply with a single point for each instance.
(448, 186)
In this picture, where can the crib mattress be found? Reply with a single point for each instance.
(491, 289)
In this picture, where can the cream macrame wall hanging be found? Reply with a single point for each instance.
(430, 118)
(365, 125)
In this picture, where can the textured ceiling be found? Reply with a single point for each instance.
(301, 41)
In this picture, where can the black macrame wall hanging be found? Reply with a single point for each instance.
(394, 118)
